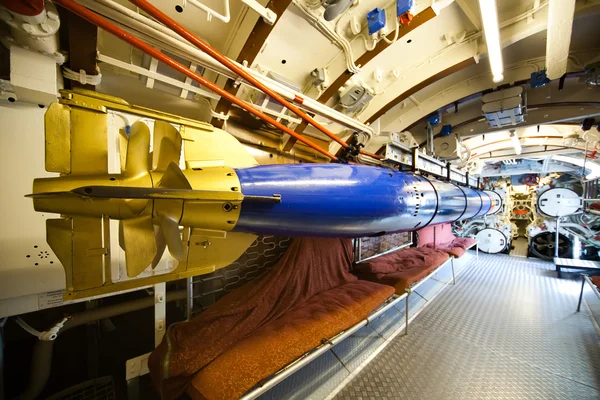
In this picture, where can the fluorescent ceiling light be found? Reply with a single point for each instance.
(489, 16)
(560, 23)
(516, 143)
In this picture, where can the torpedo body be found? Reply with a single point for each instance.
(207, 215)
(340, 200)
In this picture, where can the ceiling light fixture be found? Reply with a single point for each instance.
(489, 16)
(516, 142)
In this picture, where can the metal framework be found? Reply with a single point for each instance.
(358, 252)
(586, 278)
(399, 154)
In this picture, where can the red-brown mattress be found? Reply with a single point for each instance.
(310, 267)
(457, 247)
(286, 339)
(402, 268)
(596, 280)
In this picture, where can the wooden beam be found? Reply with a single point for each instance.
(418, 20)
(82, 41)
(249, 52)
(432, 79)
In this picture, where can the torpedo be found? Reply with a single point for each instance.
(342, 200)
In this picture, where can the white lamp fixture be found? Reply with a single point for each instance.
(560, 23)
(516, 142)
(489, 16)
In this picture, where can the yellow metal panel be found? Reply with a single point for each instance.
(212, 249)
(89, 143)
(59, 235)
(102, 102)
(209, 214)
(132, 284)
(88, 253)
(213, 148)
(57, 123)
(107, 257)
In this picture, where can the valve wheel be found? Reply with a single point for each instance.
(543, 245)
(531, 180)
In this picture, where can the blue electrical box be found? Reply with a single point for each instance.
(375, 20)
(434, 118)
(538, 79)
(446, 130)
(403, 6)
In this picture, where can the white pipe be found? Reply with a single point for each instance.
(160, 33)
(92, 4)
(210, 12)
(312, 105)
(156, 76)
(157, 32)
(396, 30)
(269, 16)
(560, 23)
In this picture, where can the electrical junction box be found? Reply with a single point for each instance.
(376, 20)
(538, 79)
(434, 118)
(504, 107)
(354, 98)
(403, 6)
(446, 130)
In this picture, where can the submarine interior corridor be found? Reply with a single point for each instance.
(299, 199)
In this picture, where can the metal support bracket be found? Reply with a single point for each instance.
(160, 312)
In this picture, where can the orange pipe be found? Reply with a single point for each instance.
(196, 41)
(121, 34)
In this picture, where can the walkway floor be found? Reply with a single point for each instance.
(507, 330)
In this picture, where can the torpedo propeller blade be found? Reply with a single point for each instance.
(139, 243)
(167, 146)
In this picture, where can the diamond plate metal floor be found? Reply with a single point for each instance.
(507, 330)
(520, 247)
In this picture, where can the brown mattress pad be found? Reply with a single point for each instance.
(284, 340)
(596, 280)
(309, 267)
(401, 268)
(457, 247)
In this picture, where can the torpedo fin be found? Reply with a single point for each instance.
(174, 178)
(138, 148)
(140, 244)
